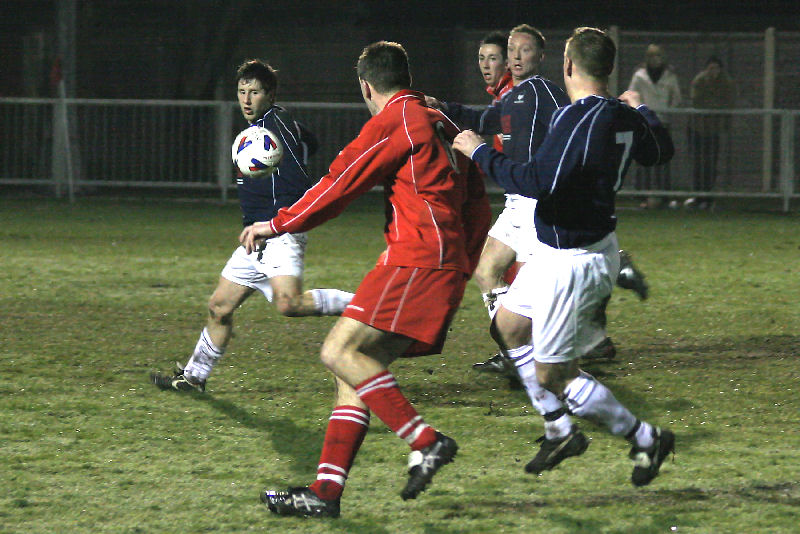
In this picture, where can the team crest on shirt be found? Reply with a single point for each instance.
(520, 99)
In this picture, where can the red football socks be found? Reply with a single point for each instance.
(346, 430)
(383, 397)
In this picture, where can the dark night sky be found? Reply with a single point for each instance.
(185, 27)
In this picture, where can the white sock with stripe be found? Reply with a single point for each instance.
(557, 422)
(205, 355)
(588, 398)
(330, 301)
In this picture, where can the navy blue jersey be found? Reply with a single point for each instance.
(261, 198)
(522, 116)
(579, 167)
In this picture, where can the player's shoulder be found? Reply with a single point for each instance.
(270, 117)
(282, 115)
(593, 104)
(546, 89)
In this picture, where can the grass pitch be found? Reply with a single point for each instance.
(96, 295)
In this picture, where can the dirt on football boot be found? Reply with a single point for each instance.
(647, 462)
(178, 381)
(553, 451)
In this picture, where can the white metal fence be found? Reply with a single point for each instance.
(186, 144)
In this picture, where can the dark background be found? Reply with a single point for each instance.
(188, 49)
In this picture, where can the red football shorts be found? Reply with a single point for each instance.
(411, 301)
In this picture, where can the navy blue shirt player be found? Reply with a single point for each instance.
(580, 166)
(261, 198)
(276, 271)
(575, 176)
(522, 116)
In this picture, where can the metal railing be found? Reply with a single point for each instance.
(186, 144)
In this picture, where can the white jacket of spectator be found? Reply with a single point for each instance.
(661, 95)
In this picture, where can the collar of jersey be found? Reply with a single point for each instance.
(405, 94)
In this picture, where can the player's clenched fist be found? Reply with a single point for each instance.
(632, 98)
(467, 141)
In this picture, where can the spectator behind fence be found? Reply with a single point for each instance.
(658, 86)
(712, 88)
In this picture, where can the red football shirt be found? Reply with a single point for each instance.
(437, 212)
(498, 91)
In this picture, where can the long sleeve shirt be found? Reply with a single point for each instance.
(437, 212)
(580, 166)
(522, 116)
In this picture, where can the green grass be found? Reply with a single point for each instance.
(96, 295)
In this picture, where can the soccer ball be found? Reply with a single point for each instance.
(256, 152)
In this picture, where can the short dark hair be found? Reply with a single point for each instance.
(593, 51)
(530, 30)
(714, 59)
(497, 38)
(385, 66)
(257, 69)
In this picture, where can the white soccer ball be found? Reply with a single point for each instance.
(256, 152)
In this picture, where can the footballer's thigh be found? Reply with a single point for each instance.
(354, 351)
(495, 260)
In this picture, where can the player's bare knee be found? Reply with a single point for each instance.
(556, 376)
(288, 306)
(330, 354)
(219, 312)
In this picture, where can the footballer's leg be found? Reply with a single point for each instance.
(630, 277)
(561, 438)
(360, 355)
(496, 258)
(347, 427)
(290, 299)
(589, 399)
(210, 347)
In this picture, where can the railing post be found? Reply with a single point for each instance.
(769, 103)
(58, 159)
(224, 125)
(613, 80)
(787, 158)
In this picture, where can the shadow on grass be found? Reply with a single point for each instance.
(724, 351)
(288, 439)
(785, 493)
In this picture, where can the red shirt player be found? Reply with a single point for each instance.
(493, 64)
(437, 218)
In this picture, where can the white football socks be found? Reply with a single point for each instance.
(205, 355)
(331, 301)
(493, 299)
(588, 398)
(557, 423)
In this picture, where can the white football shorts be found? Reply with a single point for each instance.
(514, 226)
(282, 256)
(563, 292)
